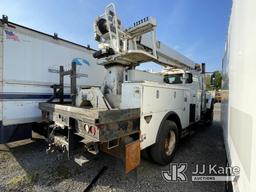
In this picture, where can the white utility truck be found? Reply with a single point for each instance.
(29, 64)
(132, 110)
(238, 95)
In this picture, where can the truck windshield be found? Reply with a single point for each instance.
(173, 78)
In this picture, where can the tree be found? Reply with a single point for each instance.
(209, 87)
(217, 79)
(213, 82)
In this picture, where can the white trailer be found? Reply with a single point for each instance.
(29, 64)
(238, 94)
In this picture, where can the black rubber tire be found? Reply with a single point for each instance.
(145, 154)
(209, 114)
(157, 150)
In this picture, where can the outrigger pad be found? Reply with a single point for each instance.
(132, 155)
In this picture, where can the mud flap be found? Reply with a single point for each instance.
(129, 153)
(132, 156)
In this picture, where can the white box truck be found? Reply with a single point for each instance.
(238, 95)
(29, 64)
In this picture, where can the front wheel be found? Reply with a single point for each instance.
(164, 149)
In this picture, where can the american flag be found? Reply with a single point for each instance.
(11, 35)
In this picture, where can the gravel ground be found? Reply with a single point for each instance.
(24, 166)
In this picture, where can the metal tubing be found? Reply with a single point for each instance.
(73, 84)
(61, 90)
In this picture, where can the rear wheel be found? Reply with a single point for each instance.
(146, 155)
(209, 114)
(164, 149)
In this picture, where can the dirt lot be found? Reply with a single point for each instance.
(25, 166)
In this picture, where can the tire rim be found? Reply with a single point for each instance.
(170, 142)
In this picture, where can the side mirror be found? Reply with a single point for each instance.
(188, 78)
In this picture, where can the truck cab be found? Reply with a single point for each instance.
(194, 81)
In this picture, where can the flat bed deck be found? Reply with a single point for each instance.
(91, 115)
(108, 124)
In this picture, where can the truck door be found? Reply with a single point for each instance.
(198, 97)
(195, 97)
(186, 107)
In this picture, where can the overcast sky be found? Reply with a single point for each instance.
(196, 28)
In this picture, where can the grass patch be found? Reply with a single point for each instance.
(6, 156)
(16, 181)
(21, 180)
